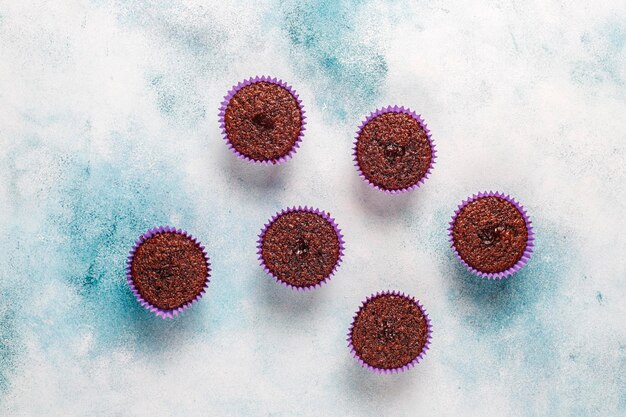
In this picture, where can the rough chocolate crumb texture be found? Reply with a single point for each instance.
(389, 331)
(393, 151)
(169, 270)
(300, 248)
(490, 234)
(263, 121)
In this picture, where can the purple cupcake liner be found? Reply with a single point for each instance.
(530, 242)
(418, 118)
(297, 209)
(156, 310)
(243, 84)
(411, 364)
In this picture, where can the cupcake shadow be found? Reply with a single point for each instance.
(379, 203)
(286, 304)
(245, 174)
(369, 385)
(153, 334)
(495, 301)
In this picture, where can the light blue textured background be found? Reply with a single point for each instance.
(108, 126)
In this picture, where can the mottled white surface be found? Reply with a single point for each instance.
(108, 126)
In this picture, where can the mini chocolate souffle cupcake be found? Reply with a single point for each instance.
(301, 247)
(262, 120)
(393, 150)
(491, 235)
(390, 333)
(168, 270)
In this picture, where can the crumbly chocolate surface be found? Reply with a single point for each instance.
(263, 121)
(389, 332)
(393, 151)
(490, 234)
(169, 270)
(300, 248)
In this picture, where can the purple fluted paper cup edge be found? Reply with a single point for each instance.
(530, 242)
(245, 83)
(409, 365)
(420, 120)
(147, 235)
(293, 209)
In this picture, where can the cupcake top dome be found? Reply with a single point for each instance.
(301, 247)
(390, 332)
(262, 120)
(393, 150)
(168, 270)
(492, 235)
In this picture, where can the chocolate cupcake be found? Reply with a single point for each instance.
(167, 270)
(301, 247)
(491, 235)
(262, 120)
(393, 150)
(390, 333)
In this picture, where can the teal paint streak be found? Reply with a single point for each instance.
(108, 206)
(13, 266)
(616, 34)
(194, 48)
(514, 325)
(177, 98)
(604, 63)
(621, 379)
(10, 343)
(506, 319)
(499, 302)
(325, 47)
(91, 217)
(495, 304)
